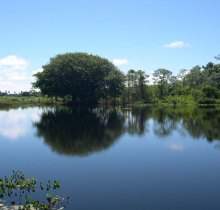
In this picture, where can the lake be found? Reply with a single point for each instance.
(148, 158)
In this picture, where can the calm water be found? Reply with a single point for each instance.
(118, 159)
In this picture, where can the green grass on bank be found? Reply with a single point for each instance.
(187, 100)
(179, 101)
(15, 101)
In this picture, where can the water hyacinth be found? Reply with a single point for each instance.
(16, 192)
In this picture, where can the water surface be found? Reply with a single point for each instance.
(151, 158)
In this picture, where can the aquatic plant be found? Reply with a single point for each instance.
(17, 191)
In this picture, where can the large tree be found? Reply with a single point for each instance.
(161, 79)
(194, 78)
(136, 85)
(86, 78)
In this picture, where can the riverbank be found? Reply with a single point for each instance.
(24, 101)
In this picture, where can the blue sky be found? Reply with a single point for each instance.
(139, 34)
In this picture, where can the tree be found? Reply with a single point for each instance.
(131, 85)
(136, 85)
(217, 57)
(162, 78)
(175, 85)
(195, 77)
(86, 78)
(212, 74)
(141, 84)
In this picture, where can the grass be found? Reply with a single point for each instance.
(16, 101)
(24, 101)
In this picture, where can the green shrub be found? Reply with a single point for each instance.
(210, 92)
(197, 95)
(207, 101)
(180, 100)
(17, 191)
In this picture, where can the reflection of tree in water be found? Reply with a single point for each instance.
(164, 123)
(197, 122)
(204, 123)
(136, 120)
(80, 132)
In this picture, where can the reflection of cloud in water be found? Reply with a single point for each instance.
(13, 124)
(177, 147)
(36, 116)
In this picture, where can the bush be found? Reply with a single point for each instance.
(17, 190)
(197, 95)
(207, 101)
(210, 92)
(181, 100)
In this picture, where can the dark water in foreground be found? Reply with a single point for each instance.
(118, 159)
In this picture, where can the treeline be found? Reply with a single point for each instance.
(199, 85)
(84, 79)
(22, 93)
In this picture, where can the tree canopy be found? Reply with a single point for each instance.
(86, 78)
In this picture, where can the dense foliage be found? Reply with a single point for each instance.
(85, 78)
(199, 85)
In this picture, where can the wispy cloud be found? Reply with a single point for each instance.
(177, 44)
(120, 62)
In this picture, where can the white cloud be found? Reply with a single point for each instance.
(119, 62)
(150, 79)
(34, 72)
(15, 86)
(37, 70)
(13, 62)
(177, 44)
(14, 74)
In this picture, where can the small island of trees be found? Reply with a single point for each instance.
(85, 78)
